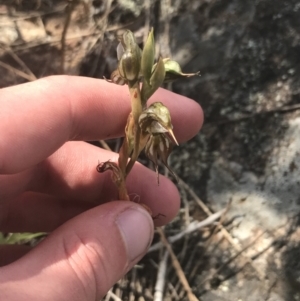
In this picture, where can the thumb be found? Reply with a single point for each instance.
(82, 259)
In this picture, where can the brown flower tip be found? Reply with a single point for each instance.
(116, 172)
(158, 147)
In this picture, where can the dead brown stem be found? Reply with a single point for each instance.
(17, 71)
(177, 267)
(223, 230)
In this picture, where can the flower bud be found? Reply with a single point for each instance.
(129, 55)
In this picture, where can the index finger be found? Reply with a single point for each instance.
(37, 118)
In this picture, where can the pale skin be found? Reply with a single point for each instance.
(49, 182)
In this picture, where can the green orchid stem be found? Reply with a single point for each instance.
(136, 108)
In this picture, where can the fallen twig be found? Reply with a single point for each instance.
(30, 15)
(139, 289)
(55, 39)
(194, 196)
(218, 227)
(177, 267)
(217, 271)
(20, 62)
(17, 71)
(105, 145)
(132, 284)
(187, 221)
(112, 295)
(225, 233)
(173, 292)
(69, 9)
(191, 228)
(161, 278)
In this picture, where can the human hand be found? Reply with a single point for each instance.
(49, 182)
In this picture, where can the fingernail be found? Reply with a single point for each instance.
(136, 227)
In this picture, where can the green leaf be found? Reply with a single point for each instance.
(156, 80)
(148, 56)
(16, 238)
